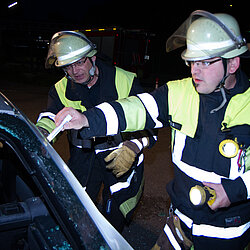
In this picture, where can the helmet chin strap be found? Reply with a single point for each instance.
(222, 88)
(91, 73)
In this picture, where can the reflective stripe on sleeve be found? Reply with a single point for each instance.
(46, 121)
(135, 113)
(111, 118)
(145, 141)
(151, 106)
(138, 143)
(47, 115)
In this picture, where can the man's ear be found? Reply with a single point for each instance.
(233, 64)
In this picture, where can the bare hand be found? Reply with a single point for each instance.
(78, 120)
(222, 199)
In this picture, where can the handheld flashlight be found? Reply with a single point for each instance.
(199, 195)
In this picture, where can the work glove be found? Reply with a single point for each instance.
(123, 158)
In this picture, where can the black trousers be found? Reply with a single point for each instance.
(90, 170)
(207, 243)
(110, 209)
(239, 243)
(164, 242)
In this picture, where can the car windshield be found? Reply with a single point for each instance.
(66, 198)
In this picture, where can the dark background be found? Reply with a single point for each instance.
(33, 19)
(26, 83)
(159, 16)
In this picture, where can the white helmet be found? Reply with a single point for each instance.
(67, 47)
(208, 35)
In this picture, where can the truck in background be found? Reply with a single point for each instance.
(125, 48)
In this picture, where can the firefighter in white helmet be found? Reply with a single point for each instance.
(209, 117)
(108, 160)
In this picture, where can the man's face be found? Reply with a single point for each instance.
(207, 74)
(79, 71)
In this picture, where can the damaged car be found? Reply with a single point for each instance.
(42, 205)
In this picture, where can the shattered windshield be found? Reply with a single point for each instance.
(62, 188)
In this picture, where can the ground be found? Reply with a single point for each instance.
(150, 216)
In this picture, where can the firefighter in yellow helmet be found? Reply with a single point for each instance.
(209, 117)
(111, 160)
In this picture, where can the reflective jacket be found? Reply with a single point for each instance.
(113, 83)
(66, 93)
(196, 135)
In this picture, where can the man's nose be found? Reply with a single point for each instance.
(74, 69)
(195, 69)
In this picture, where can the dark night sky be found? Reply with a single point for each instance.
(155, 15)
(159, 17)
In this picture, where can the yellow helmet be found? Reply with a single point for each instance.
(208, 35)
(67, 47)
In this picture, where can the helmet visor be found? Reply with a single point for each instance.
(200, 47)
(51, 56)
(67, 47)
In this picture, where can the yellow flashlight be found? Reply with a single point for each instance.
(229, 148)
(199, 195)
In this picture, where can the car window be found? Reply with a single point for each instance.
(35, 171)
